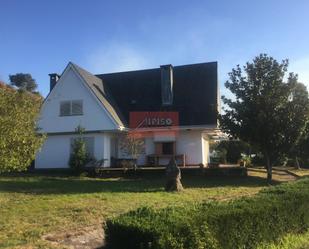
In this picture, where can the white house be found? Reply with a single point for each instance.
(173, 107)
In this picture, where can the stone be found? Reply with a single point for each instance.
(173, 177)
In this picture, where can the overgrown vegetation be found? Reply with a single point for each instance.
(243, 223)
(19, 141)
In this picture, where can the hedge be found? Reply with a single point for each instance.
(243, 223)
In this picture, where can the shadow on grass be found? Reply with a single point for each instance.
(71, 185)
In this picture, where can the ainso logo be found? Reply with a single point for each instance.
(157, 122)
(153, 119)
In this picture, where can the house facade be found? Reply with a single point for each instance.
(174, 109)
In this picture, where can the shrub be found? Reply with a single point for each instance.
(219, 156)
(245, 160)
(79, 156)
(233, 149)
(258, 159)
(242, 223)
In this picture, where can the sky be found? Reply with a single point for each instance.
(41, 37)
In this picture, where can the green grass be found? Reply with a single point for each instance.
(290, 241)
(32, 206)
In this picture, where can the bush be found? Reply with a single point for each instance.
(258, 159)
(79, 156)
(242, 223)
(245, 160)
(219, 156)
(234, 149)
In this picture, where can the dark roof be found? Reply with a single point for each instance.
(97, 88)
(195, 90)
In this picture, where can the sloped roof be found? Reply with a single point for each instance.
(97, 87)
(195, 92)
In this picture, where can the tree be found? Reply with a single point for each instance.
(234, 149)
(19, 140)
(300, 152)
(132, 144)
(267, 112)
(24, 82)
(79, 156)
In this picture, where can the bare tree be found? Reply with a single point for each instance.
(132, 144)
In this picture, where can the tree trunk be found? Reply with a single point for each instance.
(269, 170)
(297, 166)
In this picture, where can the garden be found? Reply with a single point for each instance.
(40, 211)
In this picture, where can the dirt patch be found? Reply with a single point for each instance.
(86, 238)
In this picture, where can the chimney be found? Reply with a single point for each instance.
(167, 84)
(53, 80)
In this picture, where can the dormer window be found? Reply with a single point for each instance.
(71, 108)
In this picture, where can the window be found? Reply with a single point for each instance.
(77, 107)
(168, 148)
(89, 144)
(71, 108)
(65, 108)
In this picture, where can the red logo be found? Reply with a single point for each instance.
(153, 119)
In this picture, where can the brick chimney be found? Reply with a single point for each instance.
(53, 80)
(167, 84)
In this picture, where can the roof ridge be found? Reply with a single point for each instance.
(96, 85)
(79, 68)
(156, 68)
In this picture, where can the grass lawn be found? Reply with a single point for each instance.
(33, 206)
(290, 241)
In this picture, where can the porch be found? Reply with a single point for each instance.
(189, 147)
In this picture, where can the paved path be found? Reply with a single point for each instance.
(89, 238)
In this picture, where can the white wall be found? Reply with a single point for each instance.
(205, 143)
(190, 144)
(107, 150)
(71, 87)
(55, 151)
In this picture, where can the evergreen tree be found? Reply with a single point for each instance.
(79, 156)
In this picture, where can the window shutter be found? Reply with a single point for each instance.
(65, 108)
(77, 107)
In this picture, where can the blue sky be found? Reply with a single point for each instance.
(41, 37)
